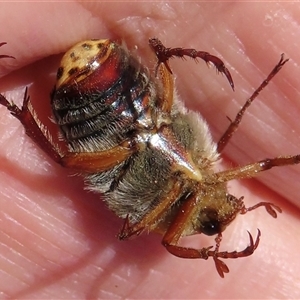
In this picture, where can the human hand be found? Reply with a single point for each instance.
(59, 241)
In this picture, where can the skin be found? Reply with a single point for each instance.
(58, 240)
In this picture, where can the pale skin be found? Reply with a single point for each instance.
(58, 240)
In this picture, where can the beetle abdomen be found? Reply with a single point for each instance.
(98, 104)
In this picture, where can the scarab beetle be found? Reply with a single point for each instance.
(130, 136)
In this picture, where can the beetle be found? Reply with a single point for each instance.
(130, 136)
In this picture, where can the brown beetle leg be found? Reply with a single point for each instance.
(166, 102)
(85, 162)
(216, 255)
(175, 231)
(151, 219)
(163, 54)
(233, 126)
(33, 127)
(253, 169)
(98, 161)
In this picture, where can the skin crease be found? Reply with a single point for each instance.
(57, 240)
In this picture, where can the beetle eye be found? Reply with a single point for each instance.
(211, 224)
(210, 227)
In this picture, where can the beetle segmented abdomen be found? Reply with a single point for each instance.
(104, 117)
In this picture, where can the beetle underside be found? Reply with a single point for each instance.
(156, 155)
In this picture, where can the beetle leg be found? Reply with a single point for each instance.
(176, 229)
(33, 127)
(154, 215)
(163, 54)
(216, 255)
(85, 162)
(233, 126)
(165, 103)
(98, 161)
(253, 169)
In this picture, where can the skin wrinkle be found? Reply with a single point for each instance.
(30, 258)
(60, 232)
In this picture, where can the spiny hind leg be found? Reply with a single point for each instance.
(233, 126)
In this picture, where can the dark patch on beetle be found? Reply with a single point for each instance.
(100, 46)
(59, 73)
(73, 71)
(86, 46)
(73, 57)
